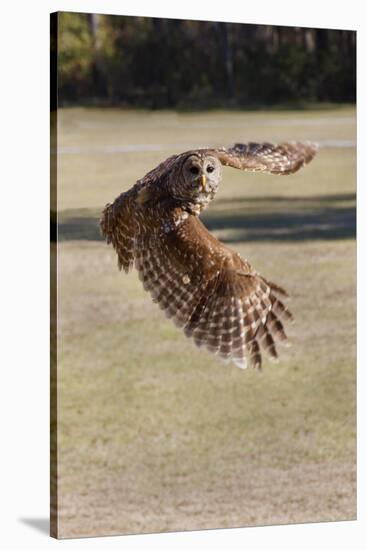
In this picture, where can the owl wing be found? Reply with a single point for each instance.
(215, 296)
(118, 227)
(281, 159)
(118, 222)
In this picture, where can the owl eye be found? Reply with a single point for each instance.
(210, 168)
(194, 170)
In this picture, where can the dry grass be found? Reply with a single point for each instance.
(155, 435)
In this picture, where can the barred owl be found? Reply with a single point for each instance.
(206, 288)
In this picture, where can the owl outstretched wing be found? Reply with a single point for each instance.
(281, 159)
(215, 296)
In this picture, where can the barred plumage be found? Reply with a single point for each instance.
(206, 288)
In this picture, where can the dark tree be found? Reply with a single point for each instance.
(157, 63)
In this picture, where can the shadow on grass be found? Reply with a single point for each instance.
(247, 219)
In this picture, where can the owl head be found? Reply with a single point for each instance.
(195, 181)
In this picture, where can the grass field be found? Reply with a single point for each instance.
(156, 435)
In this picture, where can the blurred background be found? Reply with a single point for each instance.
(149, 432)
(162, 63)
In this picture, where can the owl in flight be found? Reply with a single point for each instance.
(206, 288)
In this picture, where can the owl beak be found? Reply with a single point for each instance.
(203, 182)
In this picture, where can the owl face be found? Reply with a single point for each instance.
(198, 180)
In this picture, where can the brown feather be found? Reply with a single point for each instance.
(207, 289)
(282, 159)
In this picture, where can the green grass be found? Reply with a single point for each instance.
(157, 435)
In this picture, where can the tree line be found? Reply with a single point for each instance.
(167, 63)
